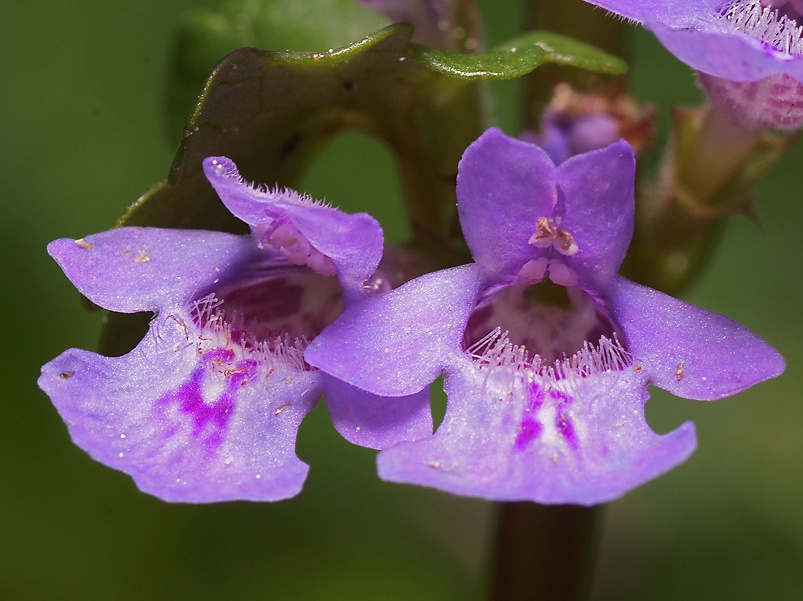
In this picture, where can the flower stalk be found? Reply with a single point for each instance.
(545, 552)
(549, 551)
(708, 175)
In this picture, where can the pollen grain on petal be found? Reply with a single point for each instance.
(81, 243)
(142, 256)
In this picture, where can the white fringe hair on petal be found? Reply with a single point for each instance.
(495, 353)
(216, 332)
(764, 23)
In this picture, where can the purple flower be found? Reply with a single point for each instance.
(547, 353)
(576, 122)
(564, 137)
(434, 21)
(207, 406)
(749, 52)
(425, 15)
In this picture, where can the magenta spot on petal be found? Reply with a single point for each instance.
(219, 355)
(191, 402)
(564, 425)
(530, 427)
(530, 430)
(210, 419)
(536, 398)
(560, 396)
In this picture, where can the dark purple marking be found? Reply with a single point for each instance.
(561, 396)
(535, 398)
(266, 301)
(191, 402)
(219, 355)
(299, 304)
(778, 103)
(564, 425)
(530, 430)
(205, 415)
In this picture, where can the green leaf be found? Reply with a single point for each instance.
(519, 57)
(271, 112)
(205, 36)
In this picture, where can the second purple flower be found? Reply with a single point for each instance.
(547, 353)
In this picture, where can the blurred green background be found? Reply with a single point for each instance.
(83, 135)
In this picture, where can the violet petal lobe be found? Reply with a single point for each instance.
(397, 344)
(690, 351)
(191, 421)
(726, 55)
(499, 206)
(327, 229)
(251, 203)
(676, 13)
(354, 242)
(598, 205)
(132, 269)
(698, 34)
(377, 422)
(509, 438)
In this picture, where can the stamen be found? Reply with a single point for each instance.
(544, 233)
(547, 234)
(533, 271)
(293, 245)
(764, 22)
(565, 244)
(562, 275)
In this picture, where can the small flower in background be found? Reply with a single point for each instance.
(749, 53)
(547, 353)
(576, 122)
(207, 407)
(437, 22)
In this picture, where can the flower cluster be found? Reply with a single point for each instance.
(547, 353)
(749, 52)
